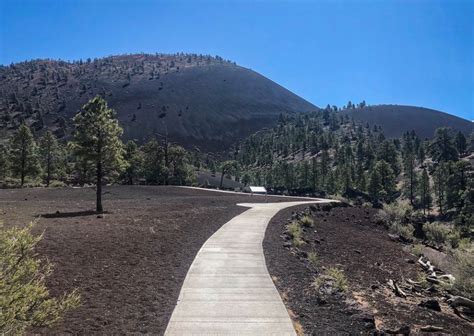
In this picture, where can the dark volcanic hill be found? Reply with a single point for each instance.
(198, 100)
(397, 119)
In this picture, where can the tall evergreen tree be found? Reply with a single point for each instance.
(24, 154)
(410, 177)
(134, 158)
(425, 192)
(4, 161)
(442, 147)
(440, 178)
(461, 143)
(51, 156)
(375, 184)
(97, 139)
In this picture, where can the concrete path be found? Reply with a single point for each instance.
(228, 290)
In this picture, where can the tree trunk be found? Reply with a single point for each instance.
(222, 180)
(99, 208)
(48, 173)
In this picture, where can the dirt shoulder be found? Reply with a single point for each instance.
(350, 240)
(129, 265)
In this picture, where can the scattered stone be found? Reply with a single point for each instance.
(357, 251)
(375, 286)
(57, 212)
(287, 244)
(403, 330)
(100, 216)
(410, 261)
(431, 304)
(303, 254)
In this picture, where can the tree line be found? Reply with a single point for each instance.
(95, 154)
(326, 153)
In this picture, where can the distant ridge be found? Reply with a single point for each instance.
(397, 119)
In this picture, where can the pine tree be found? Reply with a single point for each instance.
(375, 185)
(50, 155)
(442, 147)
(440, 178)
(24, 154)
(4, 161)
(461, 143)
(410, 177)
(227, 167)
(425, 192)
(97, 139)
(134, 158)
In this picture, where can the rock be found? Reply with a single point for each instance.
(365, 317)
(410, 261)
(57, 212)
(303, 254)
(403, 330)
(375, 286)
(431, 304)
(357, 251)
(100, 216)
(287, 244)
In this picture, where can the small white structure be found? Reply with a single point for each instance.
(255, 190)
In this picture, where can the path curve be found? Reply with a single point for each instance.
(228, 290)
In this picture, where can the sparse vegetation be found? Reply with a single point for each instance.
(313, 258)
(333, 277)
(436, 232)
(295, 232)
(306, 221)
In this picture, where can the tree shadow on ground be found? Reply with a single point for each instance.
(58, 214)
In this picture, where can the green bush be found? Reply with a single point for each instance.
(394, 213)
(464, 273)
(437, 233)
(404, 230)
(313, 258)
(24, 298)
(307, 221)
(417, 249)
(333, 276)
(295, 232)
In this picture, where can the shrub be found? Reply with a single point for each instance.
(24, 299)
(313, 258)
(437, 233)
(464, 273)
(404, 230)
(393, 213)
(57, 184)
(339, 278)
(295, 232)
(334, 277)
(307, 221)
(417, 249)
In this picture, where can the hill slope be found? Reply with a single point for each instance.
(397, 119)
(197, 100)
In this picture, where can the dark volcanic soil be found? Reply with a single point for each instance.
(349, 239)
(128, 265)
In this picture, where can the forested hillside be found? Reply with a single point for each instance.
(197, 100)
(325, 153)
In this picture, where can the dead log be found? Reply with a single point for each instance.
(431, 328)
(459, 301)
(396, 289)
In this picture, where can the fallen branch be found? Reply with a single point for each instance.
(459, 301)
(398, 291)
(431, 328)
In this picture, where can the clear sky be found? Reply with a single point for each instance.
(400, 52)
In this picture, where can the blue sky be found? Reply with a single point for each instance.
(400, 52)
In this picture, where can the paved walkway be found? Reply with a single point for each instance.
(228, 290)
